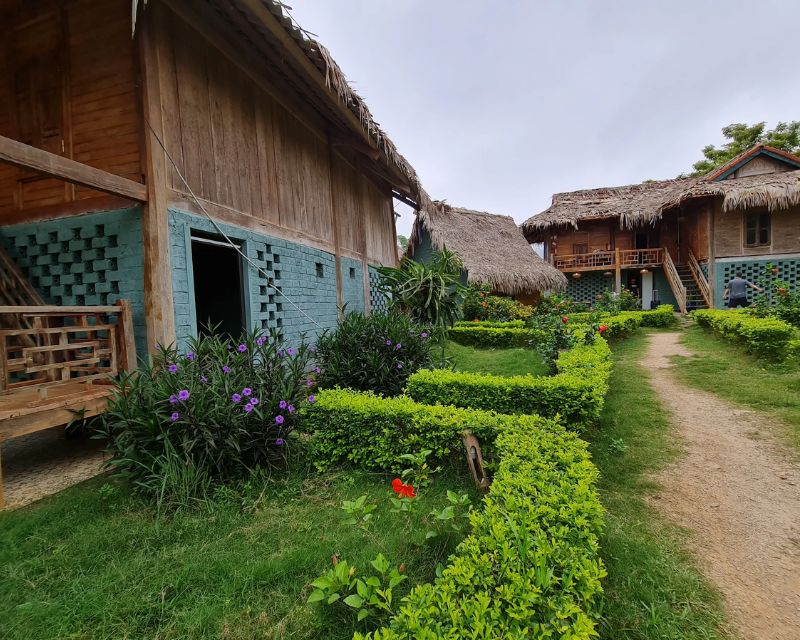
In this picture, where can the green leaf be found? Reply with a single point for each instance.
(316, 596)
(354, 600)
(333, 598)
(363, 614)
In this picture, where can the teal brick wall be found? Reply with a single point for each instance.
(93, 259)
(725, 269)
(590, 285)
(661, 283)
(378, 301)
(424, 253)
(352, 275)
(291, 267)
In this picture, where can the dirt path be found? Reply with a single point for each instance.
(739, 494)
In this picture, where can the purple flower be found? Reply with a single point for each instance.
(190, 355)
(291, 351)
(424, 334)
(261, 340)
(173, 399)
(309, 382)
(290, 408)
(388, 343)
(175, 416)
(236, 398)
(281, 353)
(398, 346)
(399, 365)
(312, 398)
(279, 419)
(248, 408)
(247, 391)
(226, 369)
(203, 379)
(280, 442)
(312, 349)
(318, 370)
(173, 368)
(242, 348)
(254, 401)
(283, 404)
(183, 394)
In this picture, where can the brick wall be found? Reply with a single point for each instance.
(352, 275)
(93, 259)
(751, 269)
(306, 276)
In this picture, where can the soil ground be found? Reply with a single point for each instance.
(738, 491)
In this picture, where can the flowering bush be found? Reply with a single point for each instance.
(480, 304)
(611, 303)
(778, 300)
(219, 409)
(373, 353)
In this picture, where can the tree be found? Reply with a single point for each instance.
(403, 242)
(785, 135)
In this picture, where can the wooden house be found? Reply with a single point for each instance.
(205, 161)
(491, 247)
(678, 241)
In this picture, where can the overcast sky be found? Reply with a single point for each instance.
(498, 105)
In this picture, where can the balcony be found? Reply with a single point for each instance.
(605, 260)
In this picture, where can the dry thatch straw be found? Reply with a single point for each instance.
(491, 247)
(639, 204)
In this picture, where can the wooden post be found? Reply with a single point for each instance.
(335, 224)
(617, 271)
(158, 301)
(125, 341)
(712, 214)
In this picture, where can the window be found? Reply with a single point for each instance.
(757, 230)
(352, 273)
(580, 248)
(320, 270)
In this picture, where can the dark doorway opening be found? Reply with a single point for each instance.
(218, 287)
(642, 240)
(634, 283)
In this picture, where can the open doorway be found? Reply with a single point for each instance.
(218, 287)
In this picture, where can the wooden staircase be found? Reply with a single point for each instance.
(688, 283)
(694, 296)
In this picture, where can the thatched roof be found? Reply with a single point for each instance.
(491, 247)
(639, 204)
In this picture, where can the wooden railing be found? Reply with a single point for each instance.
(625, 258)
(675, 281)
(56, 344)
(700, 278)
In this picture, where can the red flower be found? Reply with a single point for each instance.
(782, 291)
(774, 271)
(403, 490)
(564, 319)
(483, 304)
(603, 328)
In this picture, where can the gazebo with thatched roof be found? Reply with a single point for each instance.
(491, 247)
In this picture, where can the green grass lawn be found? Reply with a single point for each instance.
(94, 562)
(653, 590)
(724, 368)
(498, 362)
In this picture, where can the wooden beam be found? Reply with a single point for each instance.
(55, 166)
(158, 299)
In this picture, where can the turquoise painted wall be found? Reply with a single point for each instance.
(725, 269)
(290, 266)
(93, 259)
(661, 283)
(424, 253)
(352, 275)
(590, 285)
(379, 303)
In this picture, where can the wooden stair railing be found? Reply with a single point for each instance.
(700, 278)
(675, 281)
(15, 290)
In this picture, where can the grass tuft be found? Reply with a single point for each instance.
(497, 362)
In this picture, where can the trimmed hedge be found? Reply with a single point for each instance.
(576, 393)
(492, 324)
(503, 337)
(372, 432)
(662, 316)
(763, 337)
(530, 568)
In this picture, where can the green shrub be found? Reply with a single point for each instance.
(576, 393)
(211, 413)
(662, 316)
(503, 337)
(492, 324)
(530, 567)
(609, 302)
(763, 337)
(480, 304)
(373, 432)
(373, 353)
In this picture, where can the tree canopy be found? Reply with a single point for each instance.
(740, 137)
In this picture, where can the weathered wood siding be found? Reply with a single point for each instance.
(242, 152)
(90, 44)
(729, 233)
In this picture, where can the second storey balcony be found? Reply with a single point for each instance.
(604, 260)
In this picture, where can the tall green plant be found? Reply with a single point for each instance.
(429, 293)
